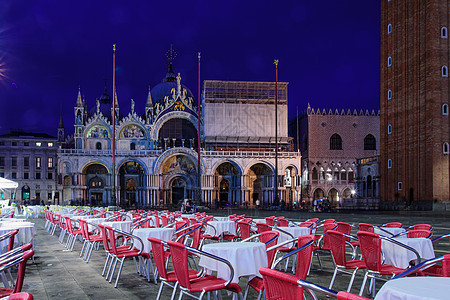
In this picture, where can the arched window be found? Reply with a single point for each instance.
(389, 94)
(444, 71)
(389, 163)
(98, 146)
(445, 109)
(389, 61)
(389, 129)
(335, 142)
(445, 148)
(370, 143)
(132, 146)
(444, 34)
(389, 28)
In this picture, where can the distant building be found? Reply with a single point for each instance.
(415, 126)
(30, 159)
(330, 143)
(367, 184)
(156, 152)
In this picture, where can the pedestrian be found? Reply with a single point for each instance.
(257, 203)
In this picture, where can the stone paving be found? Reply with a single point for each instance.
(61, 274)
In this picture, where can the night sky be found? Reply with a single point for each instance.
(328, 51)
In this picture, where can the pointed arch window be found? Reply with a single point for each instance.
(389, 129)
(389, 163)
(389, 28)
(445, 109)
(98, 146)
(335, 142)
(389, 61)
(132, 146)
(389, 94)
(445, 148)
(444, 32)
(444, 71)
(370, 143)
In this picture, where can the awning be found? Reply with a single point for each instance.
(7, 184)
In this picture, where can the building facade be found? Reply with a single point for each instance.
(30, 159)
(156, 160)
(414, 99)
(330, 143)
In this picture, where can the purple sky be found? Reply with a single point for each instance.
(328, 52)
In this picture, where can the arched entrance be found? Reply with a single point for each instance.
(67, 191)
(25, 193)
(132, 184)
(333, 197)
(95, 178)
(318, 194)
(227, 184)
(178, 188)
(261, 184)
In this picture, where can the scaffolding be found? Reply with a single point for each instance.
(251, 92)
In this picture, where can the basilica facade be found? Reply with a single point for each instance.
(156, 157)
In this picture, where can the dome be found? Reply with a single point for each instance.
(164, 88)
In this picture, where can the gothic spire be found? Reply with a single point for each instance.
(149, 98)
(79, 100)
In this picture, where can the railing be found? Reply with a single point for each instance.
(236, 153)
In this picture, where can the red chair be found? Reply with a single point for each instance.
(21, 296)
(160, 256)
(282, 222)
(419, 233)
(366, 227)
(19, 259)
(421, 227)
(338, 241)
(245, 229)
(322, 241)
(63, 227)
(262, 227)
(73, 232)
(346, 229)
(91, 240)
(392, 225)
(270, 221)
(370, 246)
(430, 267)
(202, 285)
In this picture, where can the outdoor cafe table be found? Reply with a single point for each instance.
(246, 259)
(392, 230)
(222, 219)
(295, 231)
(400, 257)
(26, 233)
(122, 225)
(415, 288)
(221, 227)
(164, 234)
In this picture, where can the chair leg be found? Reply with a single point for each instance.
(174, 290)
(351, 280)
(246, 292)
(160, 290)
(106, 263)
(333, 278)
(113, 269)
(363, 284)
(120, 271)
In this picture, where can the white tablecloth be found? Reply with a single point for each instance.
(94, 221)
(259, 221)
(222, 219)
(246, 259)
(392, 230)
(400, 257)
(221, 227)
(415, 288)
(164, 234)
(122, 225)
(295, 231)
(26, 233)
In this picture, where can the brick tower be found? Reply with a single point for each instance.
(414, 95)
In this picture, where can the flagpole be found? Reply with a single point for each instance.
(199, 190)
(113, 197)
(276, 200)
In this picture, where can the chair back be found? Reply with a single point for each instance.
(304, 256)
(282, 222)
(326, 221)
(370, 246)
(326, 245)
(270, 221)
(158, 256)
(105, 238)
(337, 242)
(279, 285)
(366, 227)
(164, 221)
(393, 225)
(11, 239)
(179, 257)
(112, 239)
(180, 225)
(262, 227)
(196, 235)
(446, 266)
(344, 227)
(265, 237)
(69, 224)
(423, 227)
(20, 296)
(21, 270)
(417, 233)
(244, 229)
(84, 229)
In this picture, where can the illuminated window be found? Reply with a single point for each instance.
(50, 144)
(50, 162)
(445, 148)
(445, 109)
(444, 71)
(38, 144)
(38, 162)
(389, 94)
(444, 32)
